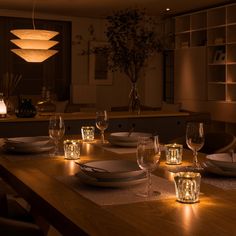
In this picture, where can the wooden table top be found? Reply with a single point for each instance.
(72, 214)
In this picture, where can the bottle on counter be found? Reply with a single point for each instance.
(25, 108)
(46, 104)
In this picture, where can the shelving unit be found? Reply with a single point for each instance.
(215, 29)
(190, 30)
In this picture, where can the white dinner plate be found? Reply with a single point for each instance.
(126, 140)
(112, 183)
(111, 169)
(22, 142)
(210, 167)
(128, 137)
(28, 149)
(223, 160)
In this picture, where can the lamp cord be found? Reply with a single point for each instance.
(33, 14)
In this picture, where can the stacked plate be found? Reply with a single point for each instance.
(111, 173)
(221, 163)
(28, 144)
(126, 139)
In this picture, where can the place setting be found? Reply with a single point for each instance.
(117, 142)
(217, 169)
(27, 145)
(223, 164)
(123, 181)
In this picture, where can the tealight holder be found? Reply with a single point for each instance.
(187, 186)
(174, 153)
(72, 149)
(87, 133)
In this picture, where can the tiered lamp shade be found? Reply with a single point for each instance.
(34, 44)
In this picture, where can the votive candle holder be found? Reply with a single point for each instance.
(87, 133)
(174, 153)
(187, 186)
(72, 149)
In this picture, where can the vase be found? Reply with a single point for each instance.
(134, 99)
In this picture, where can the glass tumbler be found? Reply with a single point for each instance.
(187, 186)
(72, 149)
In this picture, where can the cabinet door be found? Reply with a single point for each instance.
(190, 74)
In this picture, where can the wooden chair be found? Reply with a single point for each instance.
(15, 220)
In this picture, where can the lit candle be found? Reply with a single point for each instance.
(87, 133)
(3, 107)
(174, 153)
(72, 149)
(187, 186)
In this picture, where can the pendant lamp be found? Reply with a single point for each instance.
(34, 45)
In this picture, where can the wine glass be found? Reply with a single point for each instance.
(195, 140)
(56, 131)
(102, 123)
(148, 156)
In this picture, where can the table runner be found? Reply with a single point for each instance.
(114, 196)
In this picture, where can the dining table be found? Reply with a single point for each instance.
(54, 190)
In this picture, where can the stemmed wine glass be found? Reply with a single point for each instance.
(148, 156)
(56, 131)
(195, 140)
(102, 123)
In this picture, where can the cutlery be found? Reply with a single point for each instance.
(92, 168)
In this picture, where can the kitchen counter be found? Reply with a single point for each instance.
(168, 125)
(91, 115)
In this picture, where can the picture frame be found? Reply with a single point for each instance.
(98, 65)
(219, 56)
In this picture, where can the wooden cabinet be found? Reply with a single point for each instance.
(214, 29)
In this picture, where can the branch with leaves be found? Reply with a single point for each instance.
(132, 38)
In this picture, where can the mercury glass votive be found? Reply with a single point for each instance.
(87, 133)
(72, 149)
(174, 153)
(187, 186)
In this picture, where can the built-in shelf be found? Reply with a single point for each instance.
(215, 29)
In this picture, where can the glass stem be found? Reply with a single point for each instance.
(195, 159)
(149, 184)
(56, 146)
(102, 136)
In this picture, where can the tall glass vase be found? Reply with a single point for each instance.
(134, 99)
